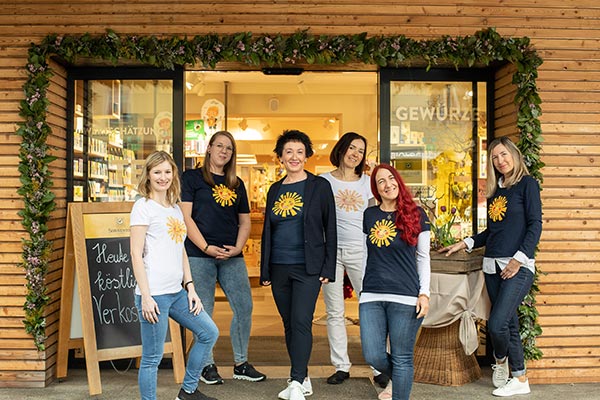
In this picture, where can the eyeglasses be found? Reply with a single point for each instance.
(221, 147)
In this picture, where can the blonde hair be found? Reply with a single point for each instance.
(153, 160)
(519, 167)
(231, 180)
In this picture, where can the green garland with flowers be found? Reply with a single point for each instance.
(479, 50)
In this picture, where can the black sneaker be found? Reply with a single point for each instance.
(183, 395)
(211, 376)
(382, 380)
(338, 377)
(247, 372)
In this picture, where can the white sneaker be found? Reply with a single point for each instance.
(514, 386)
(306, 389)
(500, 373)
(296, 391)
(386, 394)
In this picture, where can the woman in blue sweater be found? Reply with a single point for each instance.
(514, 226)
(395, 291)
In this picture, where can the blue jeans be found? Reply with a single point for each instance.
(503, 324)
(232, 276)
(380, 319)
(153, 341)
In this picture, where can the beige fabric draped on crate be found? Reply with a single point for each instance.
(448, 337)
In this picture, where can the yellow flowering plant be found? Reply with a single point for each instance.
(441, 227)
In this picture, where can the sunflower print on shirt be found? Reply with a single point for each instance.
(497, 209)
(224, 196)
(382, 233)
(349, 200)
(176, 229)
(288, 204)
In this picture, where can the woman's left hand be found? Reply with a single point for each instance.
(227, 252)
(511, 269)
(324, 280)
(194, 301)
(422, 306)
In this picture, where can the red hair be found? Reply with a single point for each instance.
(408, 217)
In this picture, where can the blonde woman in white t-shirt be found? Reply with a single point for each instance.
(164, 281)
(352, 191)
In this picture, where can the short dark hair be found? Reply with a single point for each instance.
(293, 136)
(341, 147)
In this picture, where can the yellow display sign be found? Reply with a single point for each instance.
(106, 225)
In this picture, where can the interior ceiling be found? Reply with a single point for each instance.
(255, 82)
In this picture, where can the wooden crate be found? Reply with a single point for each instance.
(460, 262)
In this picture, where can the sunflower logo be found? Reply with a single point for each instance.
(383, 233)
(497, 209)
(288, 204)
(348, 200)
(223, 195)
(176, 229)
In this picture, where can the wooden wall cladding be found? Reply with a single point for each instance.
(565, 33)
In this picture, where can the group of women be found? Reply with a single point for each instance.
(316, 229)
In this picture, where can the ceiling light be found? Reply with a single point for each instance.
(282, 71)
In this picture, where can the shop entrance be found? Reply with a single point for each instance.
(256, 108)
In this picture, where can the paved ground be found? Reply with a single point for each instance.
(121, 386)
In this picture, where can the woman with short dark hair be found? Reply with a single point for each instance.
(299, 243)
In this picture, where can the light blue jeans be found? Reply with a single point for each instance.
(153, 341)
(380, 319)
(232, 276)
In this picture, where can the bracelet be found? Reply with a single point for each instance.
(206, 248)
(185, 285)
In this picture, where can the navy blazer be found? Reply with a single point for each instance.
(320, 230)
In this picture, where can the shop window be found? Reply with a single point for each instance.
(116, 124)
(434, 132)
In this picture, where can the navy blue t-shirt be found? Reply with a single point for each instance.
(391, 262)
(288, 225)
(514, 221)
(215, 210)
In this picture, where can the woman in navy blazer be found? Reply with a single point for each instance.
(298, 250)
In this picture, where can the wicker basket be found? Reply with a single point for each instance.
(441, 360)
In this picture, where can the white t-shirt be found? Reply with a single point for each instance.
(163, 247)
(351, 200)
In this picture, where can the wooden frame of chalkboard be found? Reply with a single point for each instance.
(97, 262)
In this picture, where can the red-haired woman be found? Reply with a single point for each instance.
(395, 293)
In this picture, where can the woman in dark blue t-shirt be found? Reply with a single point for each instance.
(395, 293)
(514, 227)
(217, 216)
(298, 251)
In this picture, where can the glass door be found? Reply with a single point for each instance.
(116, 122)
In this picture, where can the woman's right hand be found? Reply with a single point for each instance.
(453, 248)
(150, 309)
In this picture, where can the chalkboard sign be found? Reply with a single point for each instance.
(97, 257)
(112, 282)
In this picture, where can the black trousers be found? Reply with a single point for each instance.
(295, 293)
